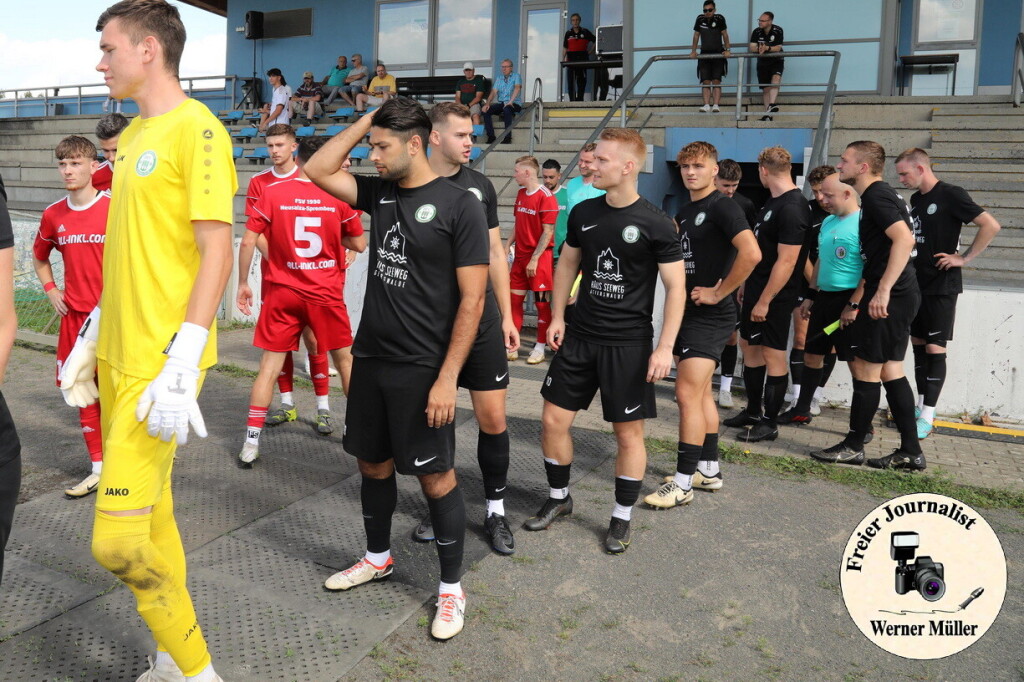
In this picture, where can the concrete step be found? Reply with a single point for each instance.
(977, 178)
(949, 150)
(1008, 110)
(1008, 135)
(981, 166)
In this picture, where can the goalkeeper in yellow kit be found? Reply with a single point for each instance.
(167, 259)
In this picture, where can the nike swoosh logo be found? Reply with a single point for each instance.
(501, 377)
(445, 544)
(934, 378)
(934, 333)
(418, 463)
(631, 410)
(684, 351)
(498, 490)
(387, 201)
(587, 227)
(754, 336)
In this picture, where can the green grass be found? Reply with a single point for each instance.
(34, 311)
(879, 483)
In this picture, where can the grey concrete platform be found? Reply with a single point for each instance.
(742, 584)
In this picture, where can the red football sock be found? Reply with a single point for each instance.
(517, 309)
(257, 416)
(543, 320)
(319, 370)
(89, 417)
(284, 379)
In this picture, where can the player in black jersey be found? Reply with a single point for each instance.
(621, 243)
(796, 353)
(711, 31)
(878, 340)
(938, 210)
(769, 296)
(727, 182)
(485, 373)
(425, 295)
(767, 39)
(720, 251)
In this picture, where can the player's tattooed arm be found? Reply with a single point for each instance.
(326, 170)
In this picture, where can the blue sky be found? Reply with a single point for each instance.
(43, 51)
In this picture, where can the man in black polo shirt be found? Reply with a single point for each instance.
(720, 251)
(767, 39)
(769, 296)
(710, 30)
(621, 243)
(576, 47)
(878, 341)
(938, 210)
(425, 294)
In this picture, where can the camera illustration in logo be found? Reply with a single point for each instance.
(924, 575)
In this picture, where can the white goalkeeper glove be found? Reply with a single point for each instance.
(170, 399)
(78, 373)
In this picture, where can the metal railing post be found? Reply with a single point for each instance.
(1018, 69)
(740, 85)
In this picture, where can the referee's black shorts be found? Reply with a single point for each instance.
(827, 307)
(885, 339)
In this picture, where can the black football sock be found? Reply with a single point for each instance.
(811, 377)
(830, 364)
(687, 456)
(866, 396)
(558, 475)
(729, 361)
(796, 366)
(709, 451)
(753, 381)
(448, 514)
(920, 369)
(901, 404)
(774, 396)
(379, 497)
(935, 377)
(492, 454)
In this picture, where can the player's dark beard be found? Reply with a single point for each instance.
(396, 170)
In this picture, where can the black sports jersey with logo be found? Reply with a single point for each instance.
(710, 29)
(706, 230)
(419, 237)
(880, 207)
(937, 218)
(620, 250)
(773, 37)
(480, 187)
(785, 220)
(818, 215)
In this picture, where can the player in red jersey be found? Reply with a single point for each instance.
(76, 226)
(108, 132)
(536, 211)
(307, 232)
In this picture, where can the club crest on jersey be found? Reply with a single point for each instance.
(699, 220)
(767, 216)
(840, 252)
(426, 213)
(477, 193)
(932, 208)
(630, 234)
(146, 163)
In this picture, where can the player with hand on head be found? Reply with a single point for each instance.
(76, 227)
(307, 232)
(938, 210)
(169, 232)
(425, 294)
(622, 244)
(720, 251)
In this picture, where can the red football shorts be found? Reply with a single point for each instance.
(285, 313)
(542, 281)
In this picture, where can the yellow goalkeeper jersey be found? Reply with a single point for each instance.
(171, 170)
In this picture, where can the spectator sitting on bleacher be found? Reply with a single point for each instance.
(307, 98)
(334, 81)
(505, 98)
(470, 90)
(381, 88)
(279, 111)
(356, 79)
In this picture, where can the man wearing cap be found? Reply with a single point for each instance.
(307, 98)
(470, 90)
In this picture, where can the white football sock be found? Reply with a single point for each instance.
(378, 559)
(496, 507)
(684, 481)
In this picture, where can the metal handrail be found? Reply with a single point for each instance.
(823, 133)
(530, 108)
(78, 87)
(537, 112)
(1018, 69)
(740, 87)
